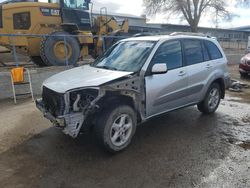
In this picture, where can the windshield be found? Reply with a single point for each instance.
(125, 56)
(77, 4)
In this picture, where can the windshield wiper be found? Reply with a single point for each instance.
(107, 67)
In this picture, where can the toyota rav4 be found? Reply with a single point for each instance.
(136, 79)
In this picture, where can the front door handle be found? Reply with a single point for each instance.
(208, 66)
(182, 73)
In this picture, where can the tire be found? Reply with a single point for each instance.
(52, 49)
(37, 60)
(212, 100)
(115, 128)
(242, 74)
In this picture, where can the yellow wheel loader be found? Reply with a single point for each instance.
(67, 25)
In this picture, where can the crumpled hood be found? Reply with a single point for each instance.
(84, 76)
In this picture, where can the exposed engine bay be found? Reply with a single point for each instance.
(70, 110)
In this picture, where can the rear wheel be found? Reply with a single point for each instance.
(115, 128)
(37, 60)
(54, 52)
(212, 100)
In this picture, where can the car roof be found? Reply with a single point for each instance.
(165, 37)
(148, 38)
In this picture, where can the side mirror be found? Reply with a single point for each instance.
(159, 68)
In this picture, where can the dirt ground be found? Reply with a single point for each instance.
(8, 58)
(180, 149)
(242, 95)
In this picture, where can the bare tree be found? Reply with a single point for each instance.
(190, 10)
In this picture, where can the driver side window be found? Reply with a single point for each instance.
(170, 53)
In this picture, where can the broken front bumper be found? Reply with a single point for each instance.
(70, 123)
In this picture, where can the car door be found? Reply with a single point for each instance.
(166, 91)
(198, 68)
(216, 58)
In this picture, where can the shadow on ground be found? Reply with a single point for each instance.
(174, 150)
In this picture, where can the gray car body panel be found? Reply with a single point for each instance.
(180, 91)
(152, 94)
(80, 77)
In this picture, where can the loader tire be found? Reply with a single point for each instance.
(53, 53)
(37, 60)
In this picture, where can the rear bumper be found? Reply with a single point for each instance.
(70, 123)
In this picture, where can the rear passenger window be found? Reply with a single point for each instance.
(205, 53)
(169, 53)
(193, 52)
(213, 50)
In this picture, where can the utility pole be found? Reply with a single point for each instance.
(216, 19)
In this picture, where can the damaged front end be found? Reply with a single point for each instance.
(72, 110)
(68, 111)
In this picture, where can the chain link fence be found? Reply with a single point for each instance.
(234, 49)
(232, 44)
(10, 43)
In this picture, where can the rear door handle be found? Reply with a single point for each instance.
(182, 73)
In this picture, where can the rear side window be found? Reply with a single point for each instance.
(169, 53)
(213, 50)
(193, 51)
(205, 53)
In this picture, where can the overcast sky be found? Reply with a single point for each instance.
(121, 6)
(135, 7)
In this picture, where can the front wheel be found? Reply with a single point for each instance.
(115, 128)
(212, 100)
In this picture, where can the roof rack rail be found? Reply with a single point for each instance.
(143, 34)
(190, 34)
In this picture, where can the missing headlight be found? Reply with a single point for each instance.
(76, 107)
(81, 99)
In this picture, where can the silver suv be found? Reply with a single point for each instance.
(135, 80)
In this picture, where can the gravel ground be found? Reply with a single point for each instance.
(180, 149)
